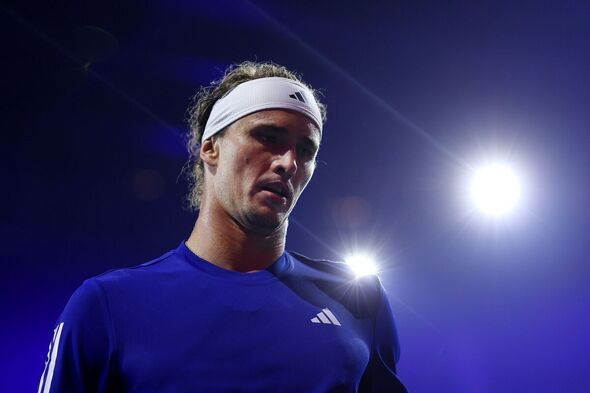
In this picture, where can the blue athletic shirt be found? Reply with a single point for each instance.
(182, 324)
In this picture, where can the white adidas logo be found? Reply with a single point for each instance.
(326, 317)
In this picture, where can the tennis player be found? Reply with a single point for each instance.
(229, 310)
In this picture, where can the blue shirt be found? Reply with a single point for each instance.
(182, 324)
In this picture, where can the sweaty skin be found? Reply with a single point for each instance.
(254, 175)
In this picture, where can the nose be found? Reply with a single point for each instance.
(286, 164)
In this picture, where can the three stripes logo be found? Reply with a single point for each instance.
(326, 317)
(297, 96)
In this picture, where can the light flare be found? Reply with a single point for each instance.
(495, 189)
(362, 264)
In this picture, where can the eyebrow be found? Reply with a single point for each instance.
(282, 130)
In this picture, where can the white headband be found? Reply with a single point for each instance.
(260, 94)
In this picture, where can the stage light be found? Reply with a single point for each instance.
(361, 264)
(495, 189)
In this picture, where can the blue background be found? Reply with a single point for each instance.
(93, 104)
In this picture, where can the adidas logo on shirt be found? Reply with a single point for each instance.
(326, 317)
(297, 96)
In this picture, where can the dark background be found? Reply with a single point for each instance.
(93, 100)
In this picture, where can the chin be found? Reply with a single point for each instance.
(265, 222)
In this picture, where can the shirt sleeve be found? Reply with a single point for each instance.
(81, 352)
(380, 374)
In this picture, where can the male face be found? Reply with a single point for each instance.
(264, 162)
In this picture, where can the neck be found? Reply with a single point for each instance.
(221, 240)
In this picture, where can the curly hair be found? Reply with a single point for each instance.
(202, 104)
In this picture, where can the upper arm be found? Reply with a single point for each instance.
(81, 352)
(385, 338)
(380, 375)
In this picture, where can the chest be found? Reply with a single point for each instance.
(243, 338)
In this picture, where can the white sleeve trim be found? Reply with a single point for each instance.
(45, 383)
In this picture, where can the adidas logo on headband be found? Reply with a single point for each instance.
(298, 96)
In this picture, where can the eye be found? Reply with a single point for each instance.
(267, 138)
(306, 153)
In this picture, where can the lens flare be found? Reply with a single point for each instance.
(362, 264)
(495, 189)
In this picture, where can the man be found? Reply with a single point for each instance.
(229, 310)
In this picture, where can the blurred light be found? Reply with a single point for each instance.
(495, 189)
(148, 185)
(351, 212)
(361, 264)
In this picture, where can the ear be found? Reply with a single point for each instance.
(209, 151)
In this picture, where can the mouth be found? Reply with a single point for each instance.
(277, 188)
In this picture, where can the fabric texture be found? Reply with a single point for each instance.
(260, 94)
(182, 324)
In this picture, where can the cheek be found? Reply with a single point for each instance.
(245, 164)
(246, 169)
(239, 161)
(306, 175)
(255, 163)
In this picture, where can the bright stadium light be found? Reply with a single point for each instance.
(361, 264)
(495, 189)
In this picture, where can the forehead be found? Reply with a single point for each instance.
(293, 122)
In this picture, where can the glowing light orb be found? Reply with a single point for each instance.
(362, 265)
(495, 189)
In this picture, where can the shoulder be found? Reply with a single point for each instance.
(329, 268)
(154, 267)
(93, 291)
(324, 265)
(118, 288)
(339, 281)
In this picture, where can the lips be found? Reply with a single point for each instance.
(278, 188)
